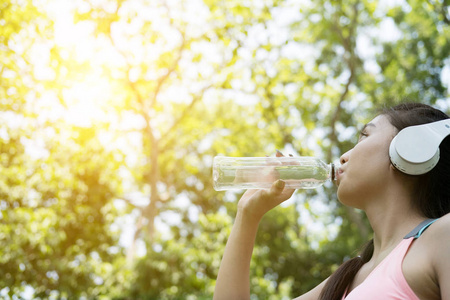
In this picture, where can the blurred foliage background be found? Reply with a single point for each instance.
(111, 112)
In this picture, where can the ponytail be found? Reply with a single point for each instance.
(341, 280)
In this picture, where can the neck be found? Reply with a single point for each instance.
(391, 218)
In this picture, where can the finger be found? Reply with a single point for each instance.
(277, 187)
(271, 162)
(286, 194)
(278, 193)
(293, 161)
(249, 192)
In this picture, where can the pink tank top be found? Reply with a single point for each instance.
(387, 281)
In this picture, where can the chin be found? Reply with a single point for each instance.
(348, 198)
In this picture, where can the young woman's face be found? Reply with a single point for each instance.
(366, 167)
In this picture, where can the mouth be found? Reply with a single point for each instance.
(339, 173)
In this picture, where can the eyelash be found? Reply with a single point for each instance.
(362, 134)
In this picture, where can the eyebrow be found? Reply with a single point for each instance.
(367, 125)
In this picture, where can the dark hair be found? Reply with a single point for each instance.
(431, 194)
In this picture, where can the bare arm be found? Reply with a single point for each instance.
(234, 273)
(233, 280)
(314, 293)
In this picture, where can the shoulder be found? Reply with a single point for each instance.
(442, 224)
(439, 251)
(437, 236)
(441, 230)
(426, 267)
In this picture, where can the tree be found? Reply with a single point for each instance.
(57, 181)
(171, 84)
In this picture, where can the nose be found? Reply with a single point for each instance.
(344, 157)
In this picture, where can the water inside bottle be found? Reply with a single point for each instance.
(304, 177)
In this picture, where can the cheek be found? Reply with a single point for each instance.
(371, 154)
(365, 175)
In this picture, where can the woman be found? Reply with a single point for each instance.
(397, 263)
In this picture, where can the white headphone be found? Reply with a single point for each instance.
(415, 149)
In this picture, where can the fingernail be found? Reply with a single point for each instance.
(280, 184)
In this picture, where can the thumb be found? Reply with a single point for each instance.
(277, 187)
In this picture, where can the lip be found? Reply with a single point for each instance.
(339, 175)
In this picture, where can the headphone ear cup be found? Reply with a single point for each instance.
(412, 162)
(415, 149)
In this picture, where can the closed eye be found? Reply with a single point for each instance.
(362, 135)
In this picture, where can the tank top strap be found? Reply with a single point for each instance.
(417, 232)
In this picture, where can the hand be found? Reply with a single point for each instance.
(255, 203)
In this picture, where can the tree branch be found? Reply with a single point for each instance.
(336, 115)
(131, 251)
(174, 65)
(441, 10)
(351, 64)
(350, 61)
(169, 133)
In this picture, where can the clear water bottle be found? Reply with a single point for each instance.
(261, 172)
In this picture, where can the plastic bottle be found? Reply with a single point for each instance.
(261, 172)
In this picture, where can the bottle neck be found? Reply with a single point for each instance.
(334, 169)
